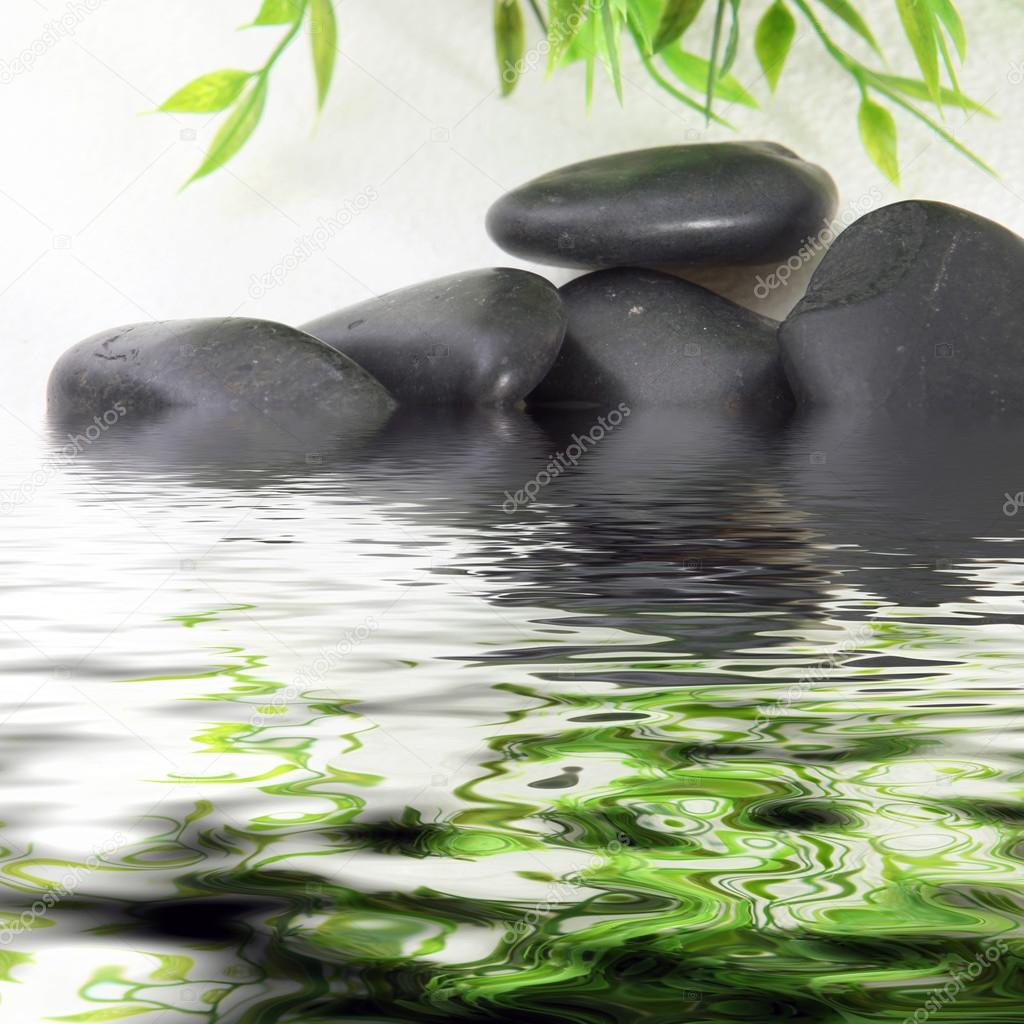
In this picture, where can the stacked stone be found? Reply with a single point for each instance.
(915, 307)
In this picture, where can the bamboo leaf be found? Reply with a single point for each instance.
(323, 27)
(947, 62)
(772, 40)
(278, 12)
(878, 133)
(608, 40)
(681, 96)
(940, 131)
(733, 42)
(588, 45)
(677, 17)
(716, 42)
(663, 83)
(509, 42)
(640, 29)
(565, 18)
(692, 71)
(917, 24)
(849, 14)
(950, 18)
(235, 131)
(208, 93)
(917, 90)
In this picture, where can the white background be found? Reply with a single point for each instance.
(96, 234)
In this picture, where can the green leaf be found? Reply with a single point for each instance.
(947, 62)
(278, 12)
(916, 89)
(681, 96)
(588, 45)
(916, 16)
(692, 71)
(235, 131)
(565, 18)
(677, 17)
(772, 40)
(950, 18)
(608, 42)
(846, 12)
(940, 131)
(323, 27)
(716, 41)
(509, 42)
(640, 29)
(878, 133)
(208, 93)
(733, 42)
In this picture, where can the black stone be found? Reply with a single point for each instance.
(485, 337)
(646, 338)
(917, 306)
(716, 204)
(216, 365)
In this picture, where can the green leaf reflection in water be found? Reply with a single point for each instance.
(707, 852)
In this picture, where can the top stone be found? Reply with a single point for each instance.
(722, 203)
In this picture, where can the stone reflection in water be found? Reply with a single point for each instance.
(731, 713)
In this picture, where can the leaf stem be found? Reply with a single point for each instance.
(535, 7)
(286, 41)
(864, 76)
(716, 41)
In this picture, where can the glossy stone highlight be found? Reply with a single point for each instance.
(715, 204)
(485, 337)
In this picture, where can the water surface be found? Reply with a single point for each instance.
(725, 725)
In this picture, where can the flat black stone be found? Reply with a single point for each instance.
(227, 364)
(646, 338)
(485, 337)
(917, 306)
(722, 203)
